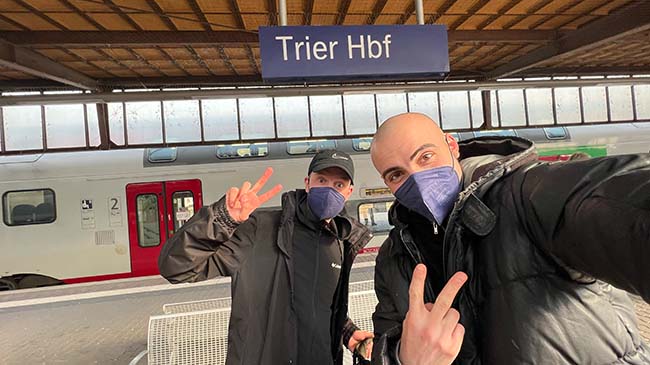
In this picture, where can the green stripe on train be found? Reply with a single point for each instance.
(593, 151)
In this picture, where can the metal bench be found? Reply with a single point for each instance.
(197, 305)
(190, 338)
(191, 333)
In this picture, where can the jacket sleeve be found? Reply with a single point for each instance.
(348, 330)
(387, 321)
(593, 216)
(210, 244)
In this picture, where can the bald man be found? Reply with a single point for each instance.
(544, 246)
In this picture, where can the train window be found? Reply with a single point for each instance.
(555, 133)
(29, 207)
(183, 208)
(148, 220)
(362, 144)
(375, 215)
(242, 150)
(158, 155)
(499, 133)
(309, 147)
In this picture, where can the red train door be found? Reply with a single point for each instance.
(156, 210)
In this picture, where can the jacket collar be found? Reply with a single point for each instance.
(357, 234)
(484, 161)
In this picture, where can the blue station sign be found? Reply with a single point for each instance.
(336, 53)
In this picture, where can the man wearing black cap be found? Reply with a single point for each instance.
(290, 267)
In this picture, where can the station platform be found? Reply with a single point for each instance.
(104, 322)
(107, 322)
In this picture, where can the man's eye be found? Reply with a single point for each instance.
(394, 177)
(427, 156)
(339, 185)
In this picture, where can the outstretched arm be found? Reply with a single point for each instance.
(594, 216)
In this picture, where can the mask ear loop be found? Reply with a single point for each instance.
(453, 163)
(453, 160)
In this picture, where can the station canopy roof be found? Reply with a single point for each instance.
(109, 44)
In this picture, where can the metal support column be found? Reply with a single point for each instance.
(283, 12)
(419, 11)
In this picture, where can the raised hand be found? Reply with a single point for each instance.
(431, 333)
(241, 202)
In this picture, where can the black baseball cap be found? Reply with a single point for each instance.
(332, 158)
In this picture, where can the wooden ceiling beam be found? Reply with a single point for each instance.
(122, 14)
(470, 12)
(226, 60)
(84, 60)
(82, 14)
(12, 22)
(173, 61)
(273, 12)
(158, 10)
(199, 60)
(116, 61)
(309, 11)
(531, 11)
(629, 20)
(200, 15)
(234, 9)
(41, 14)
(343, 11)
(376, 11)
(506, 8)
(441, 11)
(35, 64)
(407, 13)
(86, 39)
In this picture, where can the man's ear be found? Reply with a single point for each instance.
(350, 192)
(307, 184)
(453, 145)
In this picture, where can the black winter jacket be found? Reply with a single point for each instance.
(541, 243)
(257, 255)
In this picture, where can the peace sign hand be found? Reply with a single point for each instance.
(431, 332)
(243, 201)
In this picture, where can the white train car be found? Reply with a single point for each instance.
(90, 216)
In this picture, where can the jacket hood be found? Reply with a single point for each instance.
(483, 160)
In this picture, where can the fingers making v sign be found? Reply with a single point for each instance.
(432, 334)
(241, 202)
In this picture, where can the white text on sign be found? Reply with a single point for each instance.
(364, 47)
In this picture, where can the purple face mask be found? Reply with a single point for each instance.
(430, 193)
(325, 202)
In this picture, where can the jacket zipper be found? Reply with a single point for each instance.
(435, 228)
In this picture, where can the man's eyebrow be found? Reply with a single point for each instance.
(389, 170)
(420, 149)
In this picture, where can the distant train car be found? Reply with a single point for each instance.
(90, 216)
